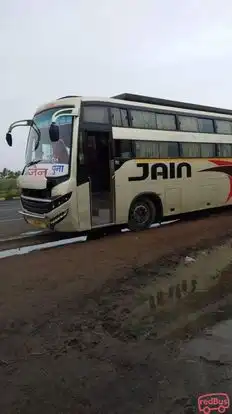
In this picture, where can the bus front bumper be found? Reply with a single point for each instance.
(42, 221)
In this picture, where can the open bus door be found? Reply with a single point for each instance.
(96, 179)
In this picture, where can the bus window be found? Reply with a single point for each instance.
(208, 150)
(146, 149)
(62, 148)
(188, 123)
(169, 149)
(225, 150)
(143, 119)
(190, 150)
(61, 153)
(206, 125)
(119, 117)
(123, 148)
(98, 114)
(166, 122)
(223, 127)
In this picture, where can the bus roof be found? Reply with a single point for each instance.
(167, 102)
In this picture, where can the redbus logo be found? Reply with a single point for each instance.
(213, 402)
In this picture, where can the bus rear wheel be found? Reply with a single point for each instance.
(142, 214)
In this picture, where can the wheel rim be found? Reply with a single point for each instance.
(141, 213)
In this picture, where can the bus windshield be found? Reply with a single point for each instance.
(47, 151)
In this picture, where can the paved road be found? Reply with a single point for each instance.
(11, 223)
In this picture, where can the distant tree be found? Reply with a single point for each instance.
(4, 172)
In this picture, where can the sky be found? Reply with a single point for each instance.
(174, 49)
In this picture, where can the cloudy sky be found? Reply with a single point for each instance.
(177, 49)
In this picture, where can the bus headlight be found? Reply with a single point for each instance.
(61, 200)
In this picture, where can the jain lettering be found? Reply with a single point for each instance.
(161, 170)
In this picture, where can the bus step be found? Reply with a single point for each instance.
(103, 217)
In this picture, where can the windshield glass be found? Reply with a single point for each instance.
(50, 152)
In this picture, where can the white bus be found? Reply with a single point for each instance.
(94, 162)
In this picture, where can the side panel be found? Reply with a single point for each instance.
(183, 185)
(124, 190)
(83, 206)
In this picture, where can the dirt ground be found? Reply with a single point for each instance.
(64, 347)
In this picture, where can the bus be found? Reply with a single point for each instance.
(128, 159)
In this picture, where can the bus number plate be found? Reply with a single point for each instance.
(38, 223)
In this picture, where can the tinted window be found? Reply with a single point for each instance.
(205, 125)
(81, 156)
(123, 148)
(223, 127)
(97, 114)
(116, 117)
(119, 117)
(188, 123)
(190, 149)
(225, 150)
(142, 119)
(165, 121)
(124, 116)
(208, 150)
(145, 149)
(169, 150)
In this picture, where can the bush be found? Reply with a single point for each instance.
(7, 184)
(8, 188)
(8, 197)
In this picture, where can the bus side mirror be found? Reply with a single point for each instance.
(54, 132)
(9, 139)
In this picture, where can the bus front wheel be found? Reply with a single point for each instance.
(142, 214)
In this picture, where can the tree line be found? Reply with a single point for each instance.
(6, 173)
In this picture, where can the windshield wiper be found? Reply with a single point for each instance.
(29, 164)
(33, 162)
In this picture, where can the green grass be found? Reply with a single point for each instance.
(8, 188)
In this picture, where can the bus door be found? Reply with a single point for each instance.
(99, 167)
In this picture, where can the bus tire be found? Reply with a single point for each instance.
(142, 214)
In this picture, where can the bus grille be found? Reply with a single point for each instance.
(35, 206)
(45, 193)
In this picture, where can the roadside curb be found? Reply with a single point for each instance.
(9, 199)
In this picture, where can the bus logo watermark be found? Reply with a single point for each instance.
(212, 403)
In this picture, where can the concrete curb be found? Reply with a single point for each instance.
(9, 199)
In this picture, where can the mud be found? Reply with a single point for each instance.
(74, 338)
